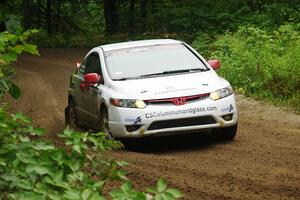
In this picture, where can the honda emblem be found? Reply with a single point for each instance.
(179, 101)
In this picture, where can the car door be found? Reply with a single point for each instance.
(87, 96)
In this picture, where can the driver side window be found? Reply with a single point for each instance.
(91, 64)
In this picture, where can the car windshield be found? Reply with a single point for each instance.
(152, 61)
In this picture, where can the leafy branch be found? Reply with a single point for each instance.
(31, 168)
(12, 45)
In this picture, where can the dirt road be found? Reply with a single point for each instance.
(262, 163)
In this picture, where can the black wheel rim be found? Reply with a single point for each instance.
(105, 126)
(72, 117)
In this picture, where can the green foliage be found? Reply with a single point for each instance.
(204, 44)
(263, 63)
(160, 192)
(63, 40)
(83, 23)
(31, 168)
(12, 45)
(126, 192)
(280, 13)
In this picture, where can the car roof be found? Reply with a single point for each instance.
(139, 43)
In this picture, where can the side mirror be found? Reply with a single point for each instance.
(215, 64)
(90, 79)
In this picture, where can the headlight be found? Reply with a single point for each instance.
(128, 103)
(219, 94)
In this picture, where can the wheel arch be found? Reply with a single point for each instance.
(103, 105)
(73, 99)
(70, 98)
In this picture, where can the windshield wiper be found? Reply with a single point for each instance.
(163, 73)
(124, 79)
(175, 72)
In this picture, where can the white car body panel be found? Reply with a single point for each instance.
(126, 116)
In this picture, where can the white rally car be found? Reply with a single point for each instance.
(150, 88)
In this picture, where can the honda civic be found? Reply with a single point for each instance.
(150, 88)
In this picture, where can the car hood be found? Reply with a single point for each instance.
(168, 86)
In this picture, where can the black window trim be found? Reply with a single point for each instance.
(85, 60)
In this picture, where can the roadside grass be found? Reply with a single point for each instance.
(261, 64)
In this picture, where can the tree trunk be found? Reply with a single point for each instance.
(2, 22)
(49, 18)
(39, 14)
(26, 14)
(57, 23)
(144, 23)
(154, 9)
(131, 17)
(2, 26)
(110, 16)
(154, 6)
(144, 4)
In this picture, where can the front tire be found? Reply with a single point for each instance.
(71, 116)
(105, 123)
(227, 133)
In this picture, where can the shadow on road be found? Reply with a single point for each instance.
(172, 143)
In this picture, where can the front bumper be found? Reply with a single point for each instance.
(166, 119)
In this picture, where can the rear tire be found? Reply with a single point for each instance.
(71, 116)
(227, 133)
(105, 123)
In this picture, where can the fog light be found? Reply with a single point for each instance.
(131, 128)
(227, 117)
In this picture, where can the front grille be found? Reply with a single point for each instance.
(195, 121)
(171, 100)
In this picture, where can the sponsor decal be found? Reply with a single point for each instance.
(134, 120)
(180, 112)
(138, 120)
(228, 109)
